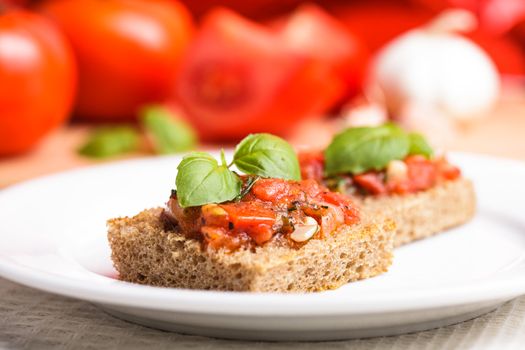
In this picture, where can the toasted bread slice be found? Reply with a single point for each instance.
(425, 213)
(147, 251)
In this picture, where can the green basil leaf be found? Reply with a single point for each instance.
(267, 156)
(111, 141)
(419, 145)
(201, 180)
(357, 150)
(169, 134)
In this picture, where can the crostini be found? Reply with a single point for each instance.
(393, 173)
(265, 230)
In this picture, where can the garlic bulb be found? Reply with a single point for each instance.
(436, 68)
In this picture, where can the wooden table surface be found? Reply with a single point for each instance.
(502, 133)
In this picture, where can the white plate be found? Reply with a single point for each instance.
(53, 237)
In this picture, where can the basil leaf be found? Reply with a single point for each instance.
(201, 180)
(357, 150)
(168, 133)
(111, 141)
(419, 145)
(267, 156)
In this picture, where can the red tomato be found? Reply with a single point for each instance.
(238, 78)
(249, 214)
(495, 16)
(312, 31)
(422, 173)
(253, 8)
(518, 35)
(447, 171)
(378, 22)
(129, 51)
(371, 182)
(38, 80)
(312, 165)
(505, 53)
(253, 218)
(348, 207)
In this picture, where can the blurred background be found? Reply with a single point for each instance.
(90, 81)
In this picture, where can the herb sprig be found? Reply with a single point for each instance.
(202, 180)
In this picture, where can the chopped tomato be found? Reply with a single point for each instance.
(261, 234)
(271, 189)
(214, 215)
(312, 31)
(448, 171)
(350, 212)
(371, 182)
(238, 78)
(422, 173)
(244, 215)
(312, 165)
(283, 192)
(399, 187)
(272, 206)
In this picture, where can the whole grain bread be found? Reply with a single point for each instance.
(146, 251)
(425, 213)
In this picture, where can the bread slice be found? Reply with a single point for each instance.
(425, 213)
(146, 251)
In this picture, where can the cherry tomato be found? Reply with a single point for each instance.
(38, 80)
(239, 78)
(129, 51)
(312, 31)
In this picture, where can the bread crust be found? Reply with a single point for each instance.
(145, 251)
(423, 214)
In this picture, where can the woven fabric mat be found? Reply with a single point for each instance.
(31, 319)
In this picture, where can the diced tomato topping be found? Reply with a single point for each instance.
(371, 182)
(247, 215)
(312, 165)
(448, 171)
(422, 173)
(214, 215)
(350, 211)
(284, 192)
(399, 187)
(271, 206)
(261, 234)
(271, 190)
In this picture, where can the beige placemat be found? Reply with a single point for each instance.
(31, 319)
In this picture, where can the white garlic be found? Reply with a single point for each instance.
(305, 231)
(396, 170)
(434, 67)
